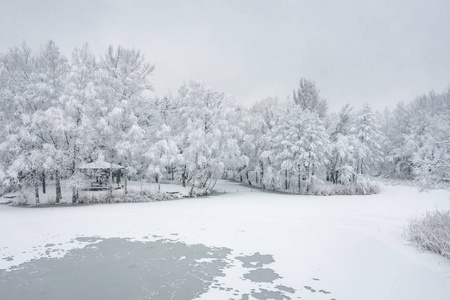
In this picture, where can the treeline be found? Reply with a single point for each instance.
(417, 143)
(58, 113)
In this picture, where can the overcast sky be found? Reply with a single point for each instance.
(380, 52)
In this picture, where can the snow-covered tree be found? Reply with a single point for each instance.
(163, 155)
(208, 139)
(432, 159)
(22, 150)
(415, 140)
(367, 149)
(301, 146)
(341, 162)
(263, 117)
(307, 97)
(51, 122)
(80, 102)
(125, 75)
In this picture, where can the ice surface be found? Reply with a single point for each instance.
(354, 245)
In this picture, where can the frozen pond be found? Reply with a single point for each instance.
(242, 244)
(117, 268)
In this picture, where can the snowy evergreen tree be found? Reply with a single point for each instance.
(367, 149)
(340, 167)
(302, 146)
(307, 97)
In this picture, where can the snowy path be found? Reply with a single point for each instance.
(322, 247)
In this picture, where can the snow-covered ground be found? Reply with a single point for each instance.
(340, 247)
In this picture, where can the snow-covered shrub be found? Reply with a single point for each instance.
(133, 195)
(7, 186)
(198, 192)
(362, 188)
(24, 197)
(431, 232)
(154, 194)
(51, 201)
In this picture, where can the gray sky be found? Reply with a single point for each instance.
(380, 52)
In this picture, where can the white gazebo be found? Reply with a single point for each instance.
(100, 169)
(100, 165)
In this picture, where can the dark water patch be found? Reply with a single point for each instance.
(49, 245)
(324, 292)
(264, 294)
(285, 289)
(118, 269)
(256, 260)
(316, 279)
(262, 275)
(85, 239)
(310, 289)
(8, 258)
(245, 297)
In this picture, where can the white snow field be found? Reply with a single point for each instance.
(340, 247)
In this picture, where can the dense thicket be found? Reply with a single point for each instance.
(57, 113)
(417, 142)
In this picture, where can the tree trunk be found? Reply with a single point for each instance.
(286, 180)
(75, 186)
(19, 181)
(58, 186)
(36, 185)
(361, 169)
(43, 182)
(261, 177)
(157, 181)
(299, 184)
(184, 176)
(110, 179)
(125, 175)
(309, 181)
(248, 179)
(74, 195)
(194, 175)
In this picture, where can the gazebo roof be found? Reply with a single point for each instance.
(100, 165)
